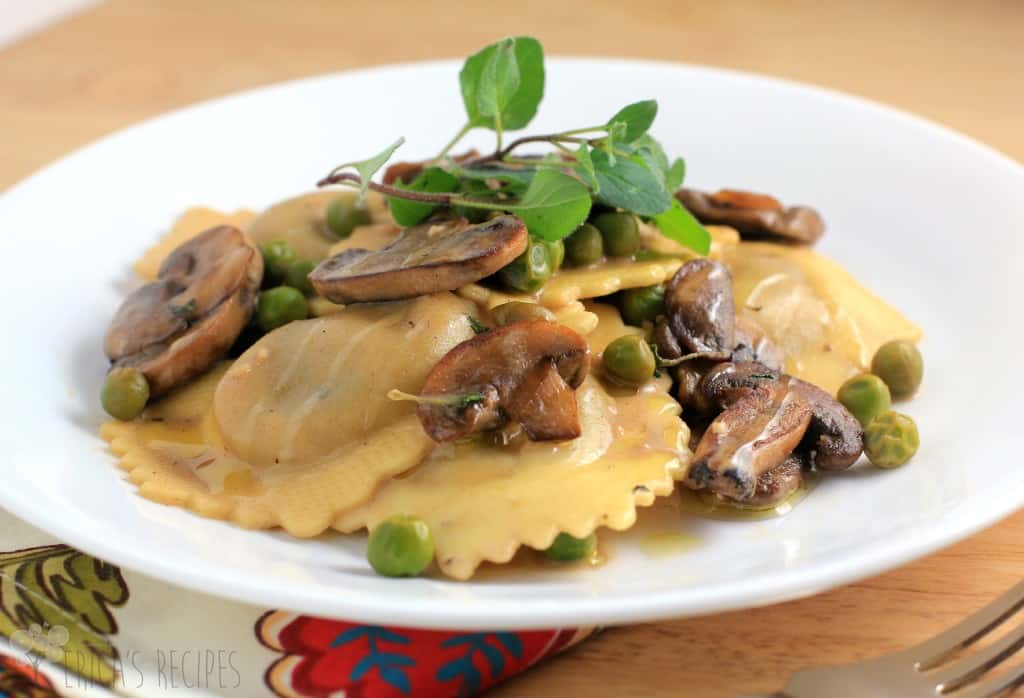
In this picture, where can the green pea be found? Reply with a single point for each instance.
(520, 311)
(866, 396)
(900, 365)
(566, 548)
(125, 393)
(279, 306)
(584, 246)
(629, 360)
(620, 231)
(891, 439)
(639, 305)
(556, 251)
(401, 546)
(344, 214)
(278, 255)
(297, 276)
(530, 270)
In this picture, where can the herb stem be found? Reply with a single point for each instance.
(354, 180)
(451, 144)
(575, 131)
(555, 139)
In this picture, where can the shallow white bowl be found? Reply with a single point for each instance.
(928, 218)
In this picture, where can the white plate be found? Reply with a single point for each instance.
(930, 219)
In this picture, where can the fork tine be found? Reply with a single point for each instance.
(994, 686)
(971, 668)
(936, 650)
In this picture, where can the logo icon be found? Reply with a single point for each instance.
(38, 643)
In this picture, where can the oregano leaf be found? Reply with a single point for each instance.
(433, 180)
(636, 119)
(368, 167)
(679, 224)
(627, 184)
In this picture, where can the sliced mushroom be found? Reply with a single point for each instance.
(176, 327)
(834, 439)
(428, 258)
(407, 171)
(526, 371)
(688, 376)
(753, 436)
(668, 345)
(729, 382)
(753, 344)
(755, 216)
(776, 485)
(699, 308)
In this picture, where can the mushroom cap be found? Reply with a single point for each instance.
(699, 308)
(525, 371)
(834, 439)
(754, 435)
(427, 258)
(728, 382)
(176, 327)
(755, 216)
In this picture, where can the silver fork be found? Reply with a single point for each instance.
(928, 669)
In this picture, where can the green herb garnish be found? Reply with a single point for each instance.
(477, 326)
(185, 310)
(616, 163)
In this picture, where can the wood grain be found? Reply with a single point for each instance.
(958, 63)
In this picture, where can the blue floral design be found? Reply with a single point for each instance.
(463, 667)
(388, 664)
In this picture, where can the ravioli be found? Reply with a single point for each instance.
(302, 222)
(299, 428)
(579, 283)
(482, 501)
(826, 322)
(573, 315)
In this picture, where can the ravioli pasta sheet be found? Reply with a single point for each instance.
(826, 322)
(483, 502)
(299, 428)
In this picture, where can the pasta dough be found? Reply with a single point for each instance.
(828, 325)
(482, 502)
(299, 428)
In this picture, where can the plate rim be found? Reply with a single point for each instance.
(366, 606)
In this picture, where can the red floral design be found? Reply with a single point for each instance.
(19, 679)
(334, 658)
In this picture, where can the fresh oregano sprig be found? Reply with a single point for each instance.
(616, 163)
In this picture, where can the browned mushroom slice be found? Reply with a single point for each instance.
(728, 382)
(755, 216)
(753, 436)
(428, 258)
(834, 439)
(753, 344)
(699, 308)
(526, 371)
(688, 376)
(776, 485)
(176, 327)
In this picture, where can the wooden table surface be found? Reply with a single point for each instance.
(958, 63)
